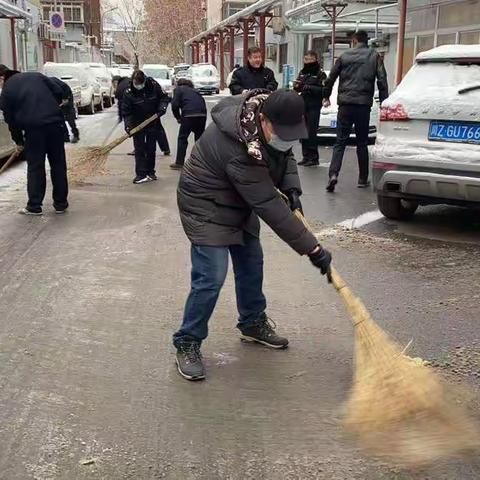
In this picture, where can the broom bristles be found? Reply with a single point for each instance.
(397, 408)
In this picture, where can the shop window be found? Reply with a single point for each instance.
(469, 38)
(446, 39)
(459, 14)
(425, 42)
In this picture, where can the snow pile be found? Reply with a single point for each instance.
(451, 51)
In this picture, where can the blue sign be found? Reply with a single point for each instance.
(56, 20)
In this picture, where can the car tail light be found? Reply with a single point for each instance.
(393, 114)
(384, 166)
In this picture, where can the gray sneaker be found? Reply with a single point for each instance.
(264, 332)
(189, 361)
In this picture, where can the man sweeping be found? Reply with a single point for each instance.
(229, 181)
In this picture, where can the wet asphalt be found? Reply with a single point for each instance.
(89, 300)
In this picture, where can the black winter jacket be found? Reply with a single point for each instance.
(30, 100)
(187, 102)
(222, 189)
(67, 94)
(249, 78)
(357, 69)
(310, 84)
(122, 86)
(138, 105)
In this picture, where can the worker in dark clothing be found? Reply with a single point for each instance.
(356, 70)
(162, 138)
(253, 75)
(229, 181)
(309, 85)
(68, 110)
(190, 110)
(122, 84)
(142, 99)
(31, 107)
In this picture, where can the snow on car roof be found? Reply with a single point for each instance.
(450, 51)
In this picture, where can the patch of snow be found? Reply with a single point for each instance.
(451, 51)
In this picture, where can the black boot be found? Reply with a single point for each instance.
(189, 360)
(331, 183)
(264, 332)
(76, 136)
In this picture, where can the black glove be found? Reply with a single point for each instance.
(322, 260)
(128, 129)
(162, 112)
(294, 200)
(306, 89)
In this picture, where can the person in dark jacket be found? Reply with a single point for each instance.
(309, 85)
(68, 109)
(190, 110)
(234, 176)
(31, 108)
(122, 85)
(357, 70)
(142, 99)
(253, 75)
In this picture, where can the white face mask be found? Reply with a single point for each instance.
(281, 145)
(139, 87)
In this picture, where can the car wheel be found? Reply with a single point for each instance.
(90, 109)
(217, 91)
(100, 105)
(396, 208)
(107, 101)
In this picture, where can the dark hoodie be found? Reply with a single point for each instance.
(222, 188)
(310, 83)
(249, 78)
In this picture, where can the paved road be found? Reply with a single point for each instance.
(88, 303)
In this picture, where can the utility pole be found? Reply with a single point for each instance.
(334, 8)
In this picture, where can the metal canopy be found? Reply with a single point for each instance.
(7, 10)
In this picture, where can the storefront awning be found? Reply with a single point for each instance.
(8, 10)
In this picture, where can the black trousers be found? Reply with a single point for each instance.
(195, 125)
(348, 116)
(40, 142)
(162, 138)
(145, 146)
(310, 144)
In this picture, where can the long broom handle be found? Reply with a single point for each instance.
(10, 160)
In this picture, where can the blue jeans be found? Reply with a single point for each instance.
(209, 269)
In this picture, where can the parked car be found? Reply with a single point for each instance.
(205, 78)
(161, 74)
(104, 77)
(428, 144)
(327, 126)
(91, 95)
(179, 71)
(125, 70)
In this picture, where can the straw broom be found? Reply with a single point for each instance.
(10, 160)
(398, 408)
(88, 161)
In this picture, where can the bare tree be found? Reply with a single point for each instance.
(129, 17)
(167, 25)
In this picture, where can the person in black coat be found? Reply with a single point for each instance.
(228, 182)
(190, 110)
(143, 98)
(122, 84)
(253, 75)
(68, 109)
(356, 70)
(31, 107)
(309, 85)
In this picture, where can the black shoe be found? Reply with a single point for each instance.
(189, 361)
(167, 153)
(363, 184)
(311, 163)
(28, 211)
(75, 139)
(66, 140)
(302, 162)
(141, 179)
(176, 166)
(331, 183)
(263, 332)
(153, 176)
(132, 154)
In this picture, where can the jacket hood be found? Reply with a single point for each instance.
(226, 115)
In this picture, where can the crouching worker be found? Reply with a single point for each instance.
(142, 99)
(190, 110)
(229, 181)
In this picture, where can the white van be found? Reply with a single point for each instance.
(161, 74)
(91, 94)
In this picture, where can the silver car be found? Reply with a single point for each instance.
(428, 142)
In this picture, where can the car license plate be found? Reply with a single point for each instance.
(333, 124)
(466, 132)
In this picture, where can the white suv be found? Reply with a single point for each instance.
(104, 77)
(428, 142)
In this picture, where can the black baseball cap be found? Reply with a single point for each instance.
(286, 110)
